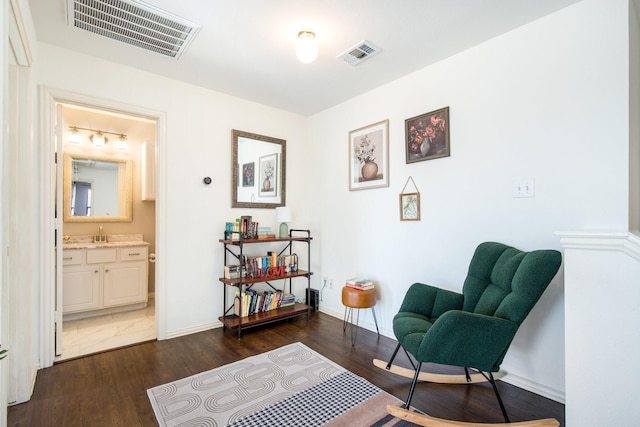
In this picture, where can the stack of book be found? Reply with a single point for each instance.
(266, 233)
(234, 271)
(361, 284)
(288, 300)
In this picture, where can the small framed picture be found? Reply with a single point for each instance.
(268, 172)
(427, 136)
(248, 170)
(410, 207)
(369, 156)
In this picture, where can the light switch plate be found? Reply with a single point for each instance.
(524, 188)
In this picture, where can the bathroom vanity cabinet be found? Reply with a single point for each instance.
(103, 280)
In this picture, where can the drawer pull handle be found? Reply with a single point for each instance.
(132, 254)
(67, 258)
(95, 271)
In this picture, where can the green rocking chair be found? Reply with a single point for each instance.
(472, 330)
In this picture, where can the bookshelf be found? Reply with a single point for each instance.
(234, 251)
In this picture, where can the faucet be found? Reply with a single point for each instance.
(99, 237)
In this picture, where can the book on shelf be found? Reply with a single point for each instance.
(234, 271)
(272, 265)
(254, 302)
(266, 233)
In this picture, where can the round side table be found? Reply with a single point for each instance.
(355, 298)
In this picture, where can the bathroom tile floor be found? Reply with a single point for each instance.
(100, 333)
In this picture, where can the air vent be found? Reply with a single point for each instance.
(135, 23)
(360, 52)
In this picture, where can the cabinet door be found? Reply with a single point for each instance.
(125, 283)
(80, 288)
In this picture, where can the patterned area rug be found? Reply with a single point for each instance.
(289, 386)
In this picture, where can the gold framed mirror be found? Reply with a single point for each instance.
(259, 165)
(97, 188)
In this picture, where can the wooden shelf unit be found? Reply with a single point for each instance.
(233, 321)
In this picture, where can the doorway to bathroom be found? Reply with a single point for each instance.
(105, 254)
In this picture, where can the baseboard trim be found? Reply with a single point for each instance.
(192, 330)
(534, 387)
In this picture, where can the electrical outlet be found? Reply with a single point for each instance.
(330, 283)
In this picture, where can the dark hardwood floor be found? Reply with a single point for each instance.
(109, 389)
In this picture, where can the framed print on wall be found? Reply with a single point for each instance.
(427, 136)
(410, 207)
(248, 170)
(369, 156)
(268, 170)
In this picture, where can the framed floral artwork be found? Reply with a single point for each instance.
(369, 156)
(427, 136)
(410, 207)
(268, 170)
(247, 174)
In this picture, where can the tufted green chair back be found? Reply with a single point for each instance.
(505, 282)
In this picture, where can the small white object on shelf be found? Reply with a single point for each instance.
(283, 216)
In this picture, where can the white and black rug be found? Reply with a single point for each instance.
(289, 386)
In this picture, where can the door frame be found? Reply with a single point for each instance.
(48, 99)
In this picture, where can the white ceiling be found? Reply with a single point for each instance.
(246, 48)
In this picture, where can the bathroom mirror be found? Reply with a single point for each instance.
(97, 189)
(259, 171)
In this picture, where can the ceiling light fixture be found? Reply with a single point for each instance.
(98, 137)
(307, 47)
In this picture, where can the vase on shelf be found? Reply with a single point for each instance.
(369, 170)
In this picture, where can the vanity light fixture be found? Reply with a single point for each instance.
(307, 47)
(98, 137)
(74, 136)
(122, 143)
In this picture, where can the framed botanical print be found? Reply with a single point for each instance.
(410, 207)
(427, 136)
(248, 174)
(268, 171)
(369, 156)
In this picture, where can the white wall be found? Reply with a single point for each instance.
(547, 101)
(199, 124)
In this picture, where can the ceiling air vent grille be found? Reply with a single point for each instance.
(360, 52)
(135, 23)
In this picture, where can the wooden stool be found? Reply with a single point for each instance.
(355, 298)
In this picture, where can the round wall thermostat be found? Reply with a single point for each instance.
(207, 180)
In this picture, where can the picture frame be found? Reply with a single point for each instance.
(248, 174)
(369, 156)
(268, 186)
(410, 207)
(427, 136)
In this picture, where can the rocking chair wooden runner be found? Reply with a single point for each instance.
(472, 330)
